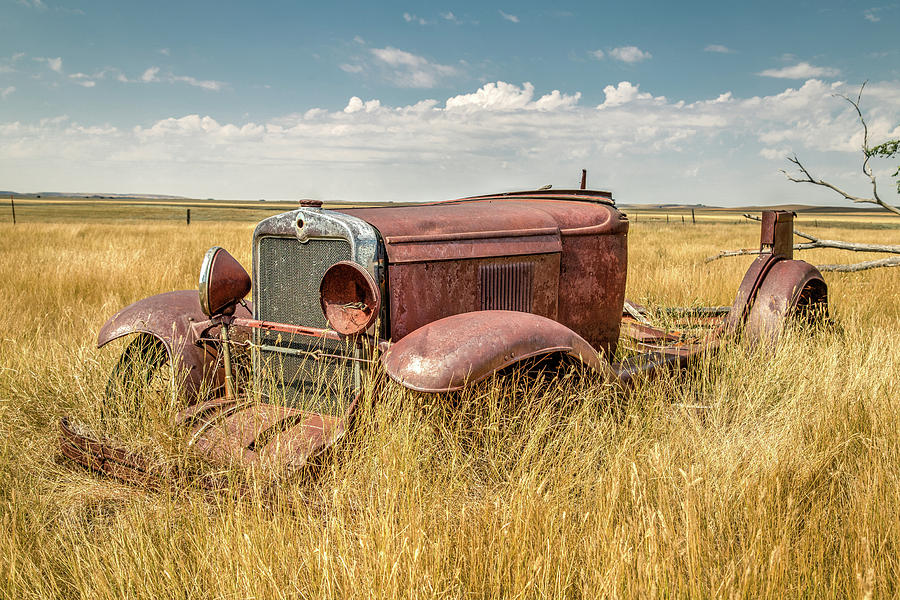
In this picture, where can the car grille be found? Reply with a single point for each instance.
(287, 291)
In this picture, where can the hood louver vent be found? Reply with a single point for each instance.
(508, 286)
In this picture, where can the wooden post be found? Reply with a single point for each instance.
(12, 204)
(693, 217)
(667, 217)
(188, 216)
(682, 219)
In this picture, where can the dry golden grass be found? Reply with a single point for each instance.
(759, 475)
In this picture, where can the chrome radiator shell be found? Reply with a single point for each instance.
(291, 252)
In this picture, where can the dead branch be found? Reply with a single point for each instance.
(893, 261)
(867, 170)
(815, 242)
(807, 178)
(748, 252)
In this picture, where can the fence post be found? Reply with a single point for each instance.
(693, 218)
(188, 216)
(12, 204)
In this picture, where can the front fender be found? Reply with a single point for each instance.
(447, 354)
(169, 317)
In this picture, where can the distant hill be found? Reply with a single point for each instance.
(91, 196)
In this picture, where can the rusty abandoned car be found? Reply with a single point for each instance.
(436, 295)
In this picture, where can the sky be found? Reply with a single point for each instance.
(662, 102)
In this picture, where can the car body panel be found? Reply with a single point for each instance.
(171, 317)
(449, 353)
(433, 274)
(789, 286)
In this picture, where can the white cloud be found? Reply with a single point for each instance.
(802, 70)
(410, 18)
(871, 14)
(165, 51)
(719, 48)
(502, 96)
(348, 68)
(5, 92)
(509, 17)
(150, 75)
(8, 65)
(626, 92)
(774, 153)
(500, 136)
(630, 54)
(598, 54)
(54, 64)
(206, 84)
(411, 70)
(356, 104)
(449, 16)
(36, 4)
(84, 80)
(153, 75)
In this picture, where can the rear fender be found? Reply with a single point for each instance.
(449, 353)
(791, 289)
(170, 318)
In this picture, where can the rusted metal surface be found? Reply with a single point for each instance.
(746, 293)
(223, 282)
(776, 246)
(245, 433)
(228, 432)
(171, 318)
(777, 233)
(580, 195)
(461, 231)
(449, 353)
(286, 328)
(588, 233)
(792, 288)
(421, 293)
(350, 298)
(103, 456)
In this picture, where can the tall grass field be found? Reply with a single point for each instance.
(763, 473)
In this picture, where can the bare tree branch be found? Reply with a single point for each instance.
(808, 178)
(749, 251)
(815, 243)
(893, 261)
(867, 170)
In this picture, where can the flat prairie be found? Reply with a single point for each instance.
(765, 473)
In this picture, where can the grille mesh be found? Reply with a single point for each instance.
(289, 274)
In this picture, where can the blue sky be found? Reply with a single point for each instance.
(662, 102)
